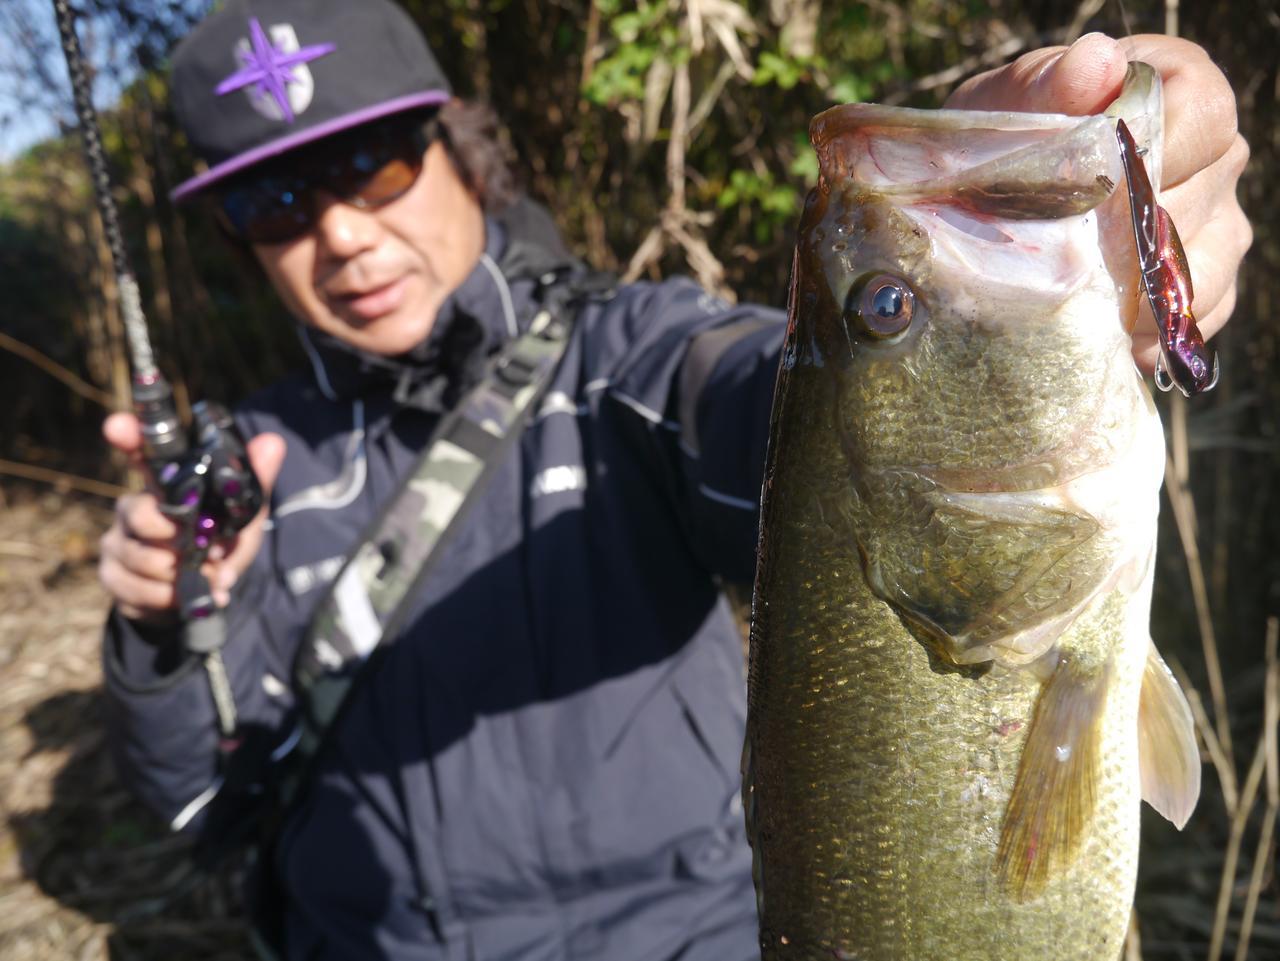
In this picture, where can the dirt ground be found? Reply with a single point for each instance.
(84, 870)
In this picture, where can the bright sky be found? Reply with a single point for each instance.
(29, 111)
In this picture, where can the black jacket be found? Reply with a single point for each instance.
(545, 764)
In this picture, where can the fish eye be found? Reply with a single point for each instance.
(879, 306)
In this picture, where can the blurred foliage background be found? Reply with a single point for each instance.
(669, 136)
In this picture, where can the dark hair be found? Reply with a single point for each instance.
(470, 133)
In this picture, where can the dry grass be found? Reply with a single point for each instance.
(1240, 884)
(83, 868)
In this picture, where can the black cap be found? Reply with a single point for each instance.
(261, 77)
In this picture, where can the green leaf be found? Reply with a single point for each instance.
(784, 72)
(851, 88)
(804, 165)
(627, 26)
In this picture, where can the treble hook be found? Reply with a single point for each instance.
(1184, 362)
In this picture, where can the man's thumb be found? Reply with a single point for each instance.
(266, 454)
(122, 432)
(1078, 80)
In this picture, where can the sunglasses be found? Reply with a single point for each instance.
(366, 168)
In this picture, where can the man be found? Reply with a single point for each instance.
(544, 762)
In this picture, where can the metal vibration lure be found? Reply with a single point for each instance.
(1184, 362)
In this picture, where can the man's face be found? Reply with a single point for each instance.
(375, 277)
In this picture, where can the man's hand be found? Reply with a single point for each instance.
(1204, 154)
(139, 562)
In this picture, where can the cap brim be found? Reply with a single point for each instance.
(233, 165)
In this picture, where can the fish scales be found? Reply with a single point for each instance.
(949, 643)
(897, 790)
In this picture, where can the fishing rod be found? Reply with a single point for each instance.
(199, 472)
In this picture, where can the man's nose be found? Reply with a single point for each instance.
(342, 229)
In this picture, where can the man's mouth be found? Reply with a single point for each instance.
(370, 303)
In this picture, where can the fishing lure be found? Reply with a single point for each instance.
(1184, 362)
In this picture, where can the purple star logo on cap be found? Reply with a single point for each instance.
(270, 68)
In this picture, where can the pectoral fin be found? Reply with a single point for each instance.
(1056, 790)
(1167, 753)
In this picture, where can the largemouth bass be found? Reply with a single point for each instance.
(954, 702)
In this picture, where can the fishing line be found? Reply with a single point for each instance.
(1128, 38)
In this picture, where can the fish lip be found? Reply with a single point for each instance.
(843, 118)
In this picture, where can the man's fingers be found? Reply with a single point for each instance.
(1199, 106)
(123, 432)
(139, 571)
(158, 563)
(1194, 203)
(144, 614)
(1217, 318)
(1200, 109)
(1080, 79)
(137, 594)
(138, 564)
(140, 517)
(1212, 258)
(266, 454)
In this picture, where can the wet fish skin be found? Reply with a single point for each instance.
(957, 520)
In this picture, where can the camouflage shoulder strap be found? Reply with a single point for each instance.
(367, 600)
